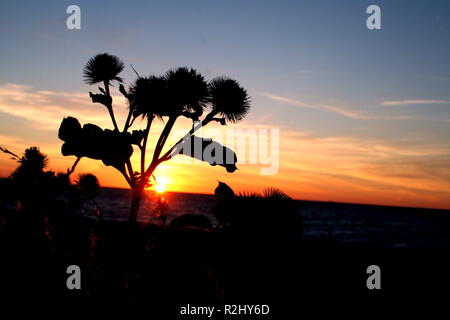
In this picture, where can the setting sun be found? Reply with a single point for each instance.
(160, 188)
(161, 185)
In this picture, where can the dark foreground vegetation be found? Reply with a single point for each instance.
(255, 255)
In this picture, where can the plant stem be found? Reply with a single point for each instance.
(111, 113)
(127, 178)
(163, 137)
(131, 122)
(130, 171)
(144, 144)
(127, 122)
(137, 191)
(110, 109)
(71, 170)
(130, 111)
(136, 202)
(203, 123)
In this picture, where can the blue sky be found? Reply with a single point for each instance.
(311, 67)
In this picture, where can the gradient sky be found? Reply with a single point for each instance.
(364, 116)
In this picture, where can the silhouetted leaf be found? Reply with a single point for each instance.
(210, 151)
(101, 98)
(137, 136)
(112, 147)
(69, 127)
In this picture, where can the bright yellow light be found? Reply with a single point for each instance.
(161, 184)
(160, 188)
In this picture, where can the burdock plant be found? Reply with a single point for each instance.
(180, 92)
(104, 68)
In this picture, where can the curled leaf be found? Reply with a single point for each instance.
(205, 149)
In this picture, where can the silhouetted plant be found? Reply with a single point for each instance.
(180, 92)
(30, 171)
(228, 99)
(270, 211)
(223, 192)
(88, 184)
(160, 211)
(103, 68)
(33, 161)
(275, 194)
(29, 180)
(31, 183)
(89, 187)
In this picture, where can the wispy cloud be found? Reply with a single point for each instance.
(47, 108)
(412, 102)
(354, 114)
(343, 111)
(293, 102)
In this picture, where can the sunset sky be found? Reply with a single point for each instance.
(364, 115)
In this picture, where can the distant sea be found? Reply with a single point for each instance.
(325, 221)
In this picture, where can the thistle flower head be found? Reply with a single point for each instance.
(229, 99)
(102, 67)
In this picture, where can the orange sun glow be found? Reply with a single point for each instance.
(161, 185)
